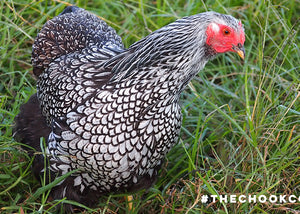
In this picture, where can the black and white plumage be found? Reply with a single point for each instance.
(112, 112)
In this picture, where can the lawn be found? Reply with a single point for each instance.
(241, 120)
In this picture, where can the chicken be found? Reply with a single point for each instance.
(109, 112)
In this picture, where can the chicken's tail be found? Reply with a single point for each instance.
(73, 30)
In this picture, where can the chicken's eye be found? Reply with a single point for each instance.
(226, 32)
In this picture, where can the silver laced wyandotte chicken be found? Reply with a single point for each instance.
(113, 113)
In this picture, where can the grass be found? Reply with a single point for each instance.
(241, 126)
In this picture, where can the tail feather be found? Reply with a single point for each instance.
(73, 30)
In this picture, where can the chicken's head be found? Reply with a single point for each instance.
(222, 37)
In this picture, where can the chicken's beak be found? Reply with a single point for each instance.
(239, 49)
